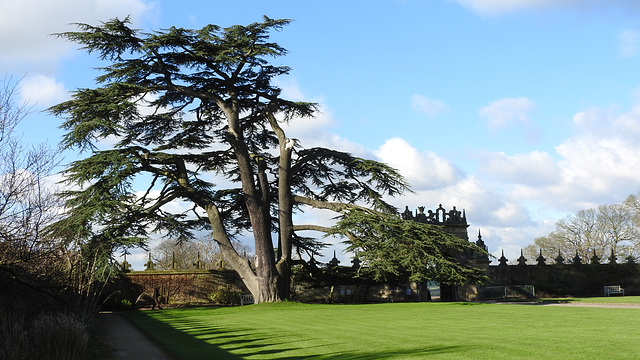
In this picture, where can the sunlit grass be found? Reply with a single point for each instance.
(396, 331)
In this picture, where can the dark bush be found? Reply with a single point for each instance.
(225, 296)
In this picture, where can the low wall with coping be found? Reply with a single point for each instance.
(195, 286)
(568, 279)
(179, 286)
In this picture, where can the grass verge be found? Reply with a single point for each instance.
(395, 331)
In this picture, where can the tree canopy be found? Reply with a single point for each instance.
(395, 249)
(195, 116)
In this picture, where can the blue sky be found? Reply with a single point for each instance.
(518, 111)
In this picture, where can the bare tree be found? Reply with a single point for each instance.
(182, 255)
(607, 230)
(27, 203)
(618, 230)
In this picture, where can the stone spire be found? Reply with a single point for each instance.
(503, 260)
(577, 260)
(126, 267)
(522, 260)
(480, 242)
(334, 262)
(199, 264)
(149, 264)
(541, 259)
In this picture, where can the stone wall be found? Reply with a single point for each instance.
(194, 286)
(359, 293)
(568, 280)
(178, 287)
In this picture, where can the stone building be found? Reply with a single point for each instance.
(453, 222)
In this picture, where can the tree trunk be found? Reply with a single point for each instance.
(285, 208)
(255, 189)
(261, 283)
(267, 276)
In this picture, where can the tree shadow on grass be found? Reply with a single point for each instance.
(189, 340)
(366, 355)
(181, 344)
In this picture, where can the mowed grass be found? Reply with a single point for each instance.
(396, 331)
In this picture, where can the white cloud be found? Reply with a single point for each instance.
(291, 89)
(26, 26)
(506, 112)
(497, 7)
(596, 168)
(628, 43)
(535, 168)
(605, 153)
(427, 106)
(43, 90)
(423, 170)
(312, 130)
(597, 165)
(493, 7)
(510, 213)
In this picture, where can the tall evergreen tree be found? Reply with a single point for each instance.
(185, 106)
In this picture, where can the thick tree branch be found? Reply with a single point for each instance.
(301, 227)
(333, 206)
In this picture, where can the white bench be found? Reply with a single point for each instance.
(613, 289)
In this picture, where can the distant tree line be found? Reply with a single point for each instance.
(611, 229)
(172, 254)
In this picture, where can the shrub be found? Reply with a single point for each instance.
(14, 338)
(60, 336)
(225, 296)
(125, 304)
(50, 336)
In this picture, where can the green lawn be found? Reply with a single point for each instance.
(396, 331)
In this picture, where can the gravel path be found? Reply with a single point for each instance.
(598, 305)
(129, 342)
(574, 304)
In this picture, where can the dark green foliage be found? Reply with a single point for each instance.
(172, 72)
(310, 246)
(392, 248)
(330, 175)
(225, 296)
